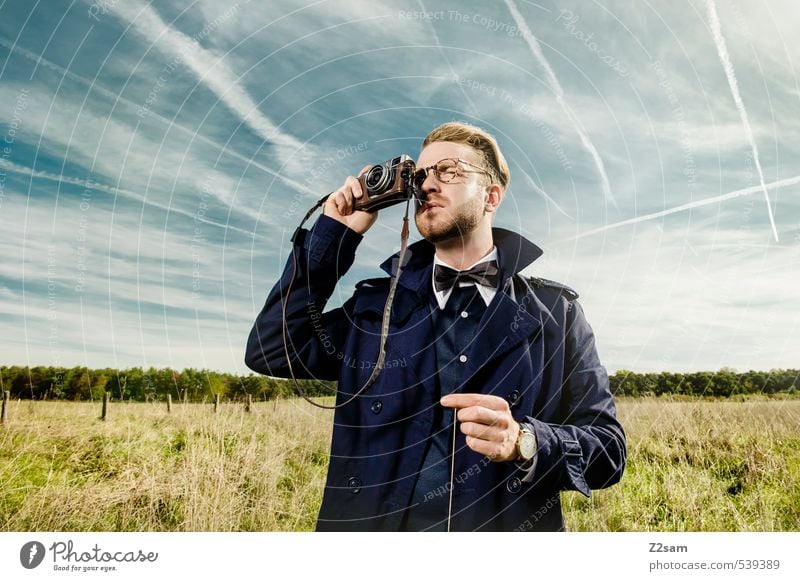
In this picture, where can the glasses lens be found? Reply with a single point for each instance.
(419, 177)
(446, 170)
(416, 184)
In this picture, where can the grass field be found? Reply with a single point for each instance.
(692, 466)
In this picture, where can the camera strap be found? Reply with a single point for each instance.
(384, 323)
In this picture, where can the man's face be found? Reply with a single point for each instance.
(451, 209)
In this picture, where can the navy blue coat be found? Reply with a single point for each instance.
(537, 352)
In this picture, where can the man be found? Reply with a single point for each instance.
(513, 358)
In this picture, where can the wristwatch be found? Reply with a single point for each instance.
(526, 443)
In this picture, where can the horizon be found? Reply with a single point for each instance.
(249, 372)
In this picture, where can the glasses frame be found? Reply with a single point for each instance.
(422, 173)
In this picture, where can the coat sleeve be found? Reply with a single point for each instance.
(319, 258)
(586, 449)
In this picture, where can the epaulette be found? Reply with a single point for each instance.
(537, 282)
(373, 282)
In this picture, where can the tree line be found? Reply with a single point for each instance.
(197, 385)
(723, 383)
(137, 384)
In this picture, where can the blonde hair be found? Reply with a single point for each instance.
(480, 141)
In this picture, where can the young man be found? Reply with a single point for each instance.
(512, 358)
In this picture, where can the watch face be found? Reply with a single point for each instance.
(527, 445)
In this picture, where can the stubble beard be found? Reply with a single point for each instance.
(465, 219)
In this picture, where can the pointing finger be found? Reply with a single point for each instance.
(464, 400)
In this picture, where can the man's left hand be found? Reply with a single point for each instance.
(487, 423)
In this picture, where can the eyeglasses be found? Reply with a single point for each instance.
(446, 170)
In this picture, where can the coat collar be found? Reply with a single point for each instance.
(514, 254)
(504, 325)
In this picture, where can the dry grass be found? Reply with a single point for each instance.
(692, 466)
(143, 470)
(701, 466)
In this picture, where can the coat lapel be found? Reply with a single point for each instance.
(504, 325)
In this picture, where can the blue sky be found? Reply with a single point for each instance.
(154, 159)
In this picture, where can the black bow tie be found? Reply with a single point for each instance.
(484, 273)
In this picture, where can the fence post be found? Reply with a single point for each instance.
(216, 402)
(105, 406)
(249, 405)
(169, 403)
(6, 397)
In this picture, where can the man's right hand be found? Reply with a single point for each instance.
(339, 206)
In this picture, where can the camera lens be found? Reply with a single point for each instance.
(377, 178)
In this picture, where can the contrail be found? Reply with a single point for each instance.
(734, 194)
(152, 114)
(559, 94)
(542, 193)
(208, 68)
(12, 167)
(446, 60)
(719, 40)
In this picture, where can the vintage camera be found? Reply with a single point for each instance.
(387, 183)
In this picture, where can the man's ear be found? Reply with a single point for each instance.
(494, 195)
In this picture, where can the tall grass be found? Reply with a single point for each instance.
(692, 465)
(701, 466)
(143, 470)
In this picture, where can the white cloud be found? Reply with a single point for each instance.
(210, 69)
(685, 298)
(126, 106)
(89, 291)
(163, 170)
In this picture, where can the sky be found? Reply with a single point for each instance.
(156, 157)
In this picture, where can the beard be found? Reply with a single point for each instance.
(463, 220)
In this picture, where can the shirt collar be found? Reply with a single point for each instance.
(487, 294)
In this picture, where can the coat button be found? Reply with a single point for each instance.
(462, 358)
(376, 407)
(464, 314)
(354, 484)
(514, 485)
(513, 398)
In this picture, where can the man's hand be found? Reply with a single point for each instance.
(487, 422)
(339, 206)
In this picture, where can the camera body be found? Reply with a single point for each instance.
(386, 184)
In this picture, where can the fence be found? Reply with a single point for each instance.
(107, 407)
